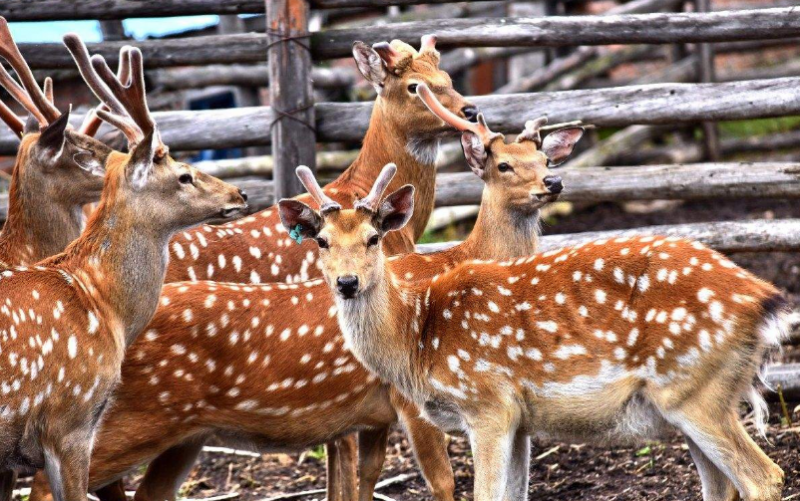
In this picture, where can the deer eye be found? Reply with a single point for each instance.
(412, 88)
(186, 179)
(373, 240)
(323, 244)
(504, 167)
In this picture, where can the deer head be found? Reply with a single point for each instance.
(350, 239)
(57, 163)
(517, 172)
(148, 176)
(396, 70)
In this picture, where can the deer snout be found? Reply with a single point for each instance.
(347, 286)
(470, 112)
(553, 184)
(243, 194)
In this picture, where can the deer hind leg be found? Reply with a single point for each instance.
(7, 481)
(723, 441)
(518, 473)
(371, 455)
(716, 486)
(168, 471)
(115, 491)
(430, 449)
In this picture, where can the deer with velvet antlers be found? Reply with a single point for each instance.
(609, 340)
(65, 323)
(221, 359)
(57, 169)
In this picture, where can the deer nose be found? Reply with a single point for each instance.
(470, 112)
(243, 194)
(553, 184)
(347, 285)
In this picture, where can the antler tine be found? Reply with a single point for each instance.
(20, 95)
(428, 43)
(10, 52)
(132, 96)
(373, 200)
(48, 90)
(11, 119)
(481, 129)
(80, 54)
(91, 124)
(306, 177)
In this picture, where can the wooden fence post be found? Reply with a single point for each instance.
(291, 95)
(705, 70)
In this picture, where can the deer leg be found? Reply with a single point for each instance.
(7, 481)
(429, 444)
(168, 471)
(115, 491)
(334, 484)
(371, 455)
(518, 474)
(724, 441)
(348, 466)
(716, 486)
(40, 488)
(492, 446)
(67, 466)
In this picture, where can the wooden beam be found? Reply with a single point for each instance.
(665, 104)
(777, 25)
(563, 31)
(668, 182)
(758, 235)
(59, 10)
(243, 75)
(291, 95)
(678, 182)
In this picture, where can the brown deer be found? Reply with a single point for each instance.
(610, 340)
(223, 359)
(401, 130)
(65, 323)
(55, 164)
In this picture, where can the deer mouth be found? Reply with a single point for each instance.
(233, 212)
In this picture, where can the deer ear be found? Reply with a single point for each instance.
(474, 153)
(88, 153)
(141, 166)
(299, 218)
(370, 65)
(396, 209)
(558, 144)
(51, 141)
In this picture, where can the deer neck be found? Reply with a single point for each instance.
(501, 232)
(35, 228)
(122, 263)
(390, 140)
(383, 328)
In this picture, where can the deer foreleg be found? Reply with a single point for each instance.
(7, 481)
(371, 456)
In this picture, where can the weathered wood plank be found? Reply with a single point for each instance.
(663, 104)
(680, 182)
(759, 235)
(59, 10)
(561, 31)
(291, 94)
(244, 76)
(736, 26)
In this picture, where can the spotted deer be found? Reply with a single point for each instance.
(56, 172)
(66, 322)
(609, 340)
(223, 359)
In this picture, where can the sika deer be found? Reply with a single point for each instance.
(58, 166)
(610, 340)
(221, 358)
(65, 324)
